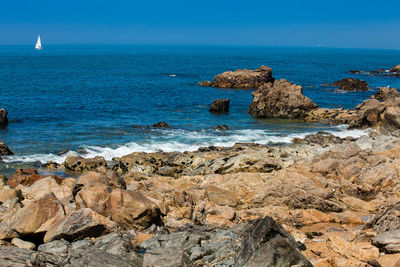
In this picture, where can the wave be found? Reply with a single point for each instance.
(183, 140)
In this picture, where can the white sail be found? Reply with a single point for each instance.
(38, 44)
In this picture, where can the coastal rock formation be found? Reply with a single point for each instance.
(395, 69)
(79, 164)
(280, 99)
(331, 116)
(384, 94)
(5, 150)
(220, 105)
(3, 118)
(247, 79)
(161, 125)
(351, 84)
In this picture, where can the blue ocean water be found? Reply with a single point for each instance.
(97, 99)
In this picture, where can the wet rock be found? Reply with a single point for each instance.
(3, 118)
(221, 127)
(5, 150)
(79, 225)
(51, 165)
(351, 84)
(24, 177)
(280, 99)
(220, 105)
(161, 125)
(248, 79)
(79, 164)
(19, 243)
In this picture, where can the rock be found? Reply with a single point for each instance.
(351, 84)
(221, 127)
(362, 251)
(220, 105)
(280, 99)
(24, 177)
(167, 171)
(29, 219)
(331, 116)
(79, 164)
(385, 94)
(15, 257)
(79, 225)
(3, 118)
(168, 257)
(161, 125)
(247, 79)
(19, 243)
(5, 150)
(51, 165)
(221, 197)
(385, 219)
(321, 138)
(395, 69)
(368, 114)
(388, 242)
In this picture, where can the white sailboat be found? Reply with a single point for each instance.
(38, 44)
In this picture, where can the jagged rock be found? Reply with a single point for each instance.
(351, 84)
(79, 164)
(5, 150)
(388, 242)
(321, 138)
(220, 105)
(385, 94)
(261, 242)
(15, 257)
(395, 69)
(3, 118)
(385, 219)
(280, 99)
(249, 79)
(331, 116)
(79, 225)
(161, 125)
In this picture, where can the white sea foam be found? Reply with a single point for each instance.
(182, 140)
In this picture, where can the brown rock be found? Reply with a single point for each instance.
(395, 69)
(79, 225)
(5, 150)
(221, 197)
(162, 125)
(385, 94)
(24, 177)
(79, 164)
(280, 99)
(248, 79)
(351, 84)
(3, 118)
(220, 105)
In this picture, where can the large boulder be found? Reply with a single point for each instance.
(3, 118)
(248, 79)
(79, 164)
(351, 84)
(5, 150)
(220, 105)
(385, 94)
(280, 99)
(79, 225)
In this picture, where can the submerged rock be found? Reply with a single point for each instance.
(220, 105)
(247, 79)
(280, 99)
(221, 127)
(351, 84)
(161, 125)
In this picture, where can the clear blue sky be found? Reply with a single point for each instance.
(366, 24)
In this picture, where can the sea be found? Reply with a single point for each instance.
(98, 100)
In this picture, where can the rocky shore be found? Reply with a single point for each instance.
(321, 201)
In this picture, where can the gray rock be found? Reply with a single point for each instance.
(167, 257)
(19, 243)
(15, 257)
(388, 242)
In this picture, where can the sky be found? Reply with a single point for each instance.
(351, 23)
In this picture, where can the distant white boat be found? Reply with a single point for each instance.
(38, 44)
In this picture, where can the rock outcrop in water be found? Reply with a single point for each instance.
(280, 99)
(3, 118)
(246, 79)
(220, 105)
(393, 72)
(5, 150)
(395, 69)
(351, 84)
(161, 125)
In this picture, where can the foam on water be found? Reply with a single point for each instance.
(182, 140)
